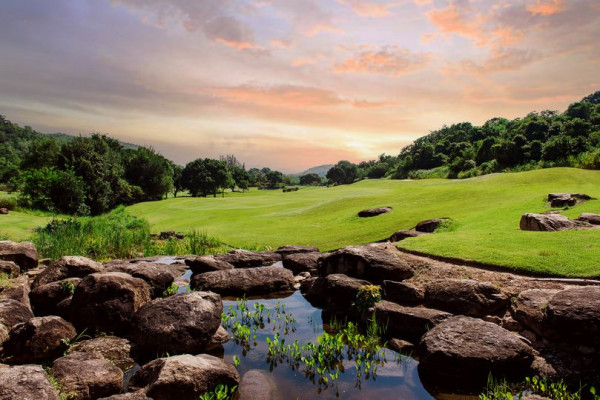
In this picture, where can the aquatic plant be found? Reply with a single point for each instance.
(366, 297)
(221, 392)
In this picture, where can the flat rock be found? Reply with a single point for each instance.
(529, 308)
(27, 382)
(465, 297)
(561, 200)
(13, 312)
(115, 349)
(464, 350)
(209, 263)
(430, 225)
(24, 254)
(38, 339)
(574, 315)
(183, 323)
(402, 292)
(593, 219)
(67, 267)
(45, 298)
(372, 263)
(334, 292)
(409, 323)
(303, 262)
(245, 281)
(107, 302)
(545, 222)
(291, 249)
(87, 376)
(257, 385)
(401, 235)
(373, 212)
(249, 259)
(158, 276)
(184, 377)
(9, 268)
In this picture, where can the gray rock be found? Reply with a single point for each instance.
(245, 281)
(67, 267)
(202, 264)
(574, 315)
(9, 268)
(409, 323)
(114, 349)
(529, 308)
(19, 290)
(249, 259)
(430, 225)
(27, 382)
(257, 385)
(373, 212)
(401, 235)
(402, 292)
(24, 254)
(334, 292)
(13, 312)
(546, 222)
(290, 249)
(593, 219)
(158, 276)
(466, 297)
(45, 298)
(303, 262)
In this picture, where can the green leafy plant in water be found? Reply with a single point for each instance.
(67, 287)
(500, 390)
(171, 290)
(366, 297)
(221, 392)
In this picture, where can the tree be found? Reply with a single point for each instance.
(310, 179)
(53, 190)
(336, 175)
(177, 182)
(205, 176)
(344, 172)
(150, 171)
(274, 179)
(240, 178)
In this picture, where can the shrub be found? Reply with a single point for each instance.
(9, 203)
(366, 297)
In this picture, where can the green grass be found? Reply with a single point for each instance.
(486, 211)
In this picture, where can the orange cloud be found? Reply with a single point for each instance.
(290, 96)
(546, 8)
(458, 20)
(368, 9)
(392, 61)
(322, 27)
(280, 44)
(240, 46)
(301, 62)
(502, 60)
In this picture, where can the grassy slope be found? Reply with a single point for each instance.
(486, 209)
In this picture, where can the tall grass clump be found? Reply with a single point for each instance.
(194, 242)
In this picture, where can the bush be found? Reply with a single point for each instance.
(8, 202)
(367, 296)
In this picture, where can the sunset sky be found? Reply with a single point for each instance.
(289, 84)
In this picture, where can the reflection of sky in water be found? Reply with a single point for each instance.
(394, 380)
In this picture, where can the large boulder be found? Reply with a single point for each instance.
(39, 339)
(465, 350)
(257, 385)
(45, 298)
(27, 382)
(13, 312)
(466, 297)
(183, 323)
(402, 292)
(9, 268)
(18, 290)
(107, 302)
(158, 276)
(408, 323)
(290, 249)
(23, 254)
(303, 262)
(558, 200)
(87, 376)
(430, 225)
(245, 281)
(183, 377)
(529, 308)
(115, 349)
(574, 315)
(373, 212)
(593, 219)
(545, 222)
(334, 292)
(67, 267)
(372, 263)
(209, 263)
(249, 259)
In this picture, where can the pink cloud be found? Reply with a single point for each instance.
(369, 9)
(460, 20)
(503, 60)
(392, 61)
(322, 27)
(546, 8)
(241, 46)
(282, 44)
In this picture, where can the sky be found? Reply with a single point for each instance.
(289, 84)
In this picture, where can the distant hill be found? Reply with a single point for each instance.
(320, 170)
(65, 138)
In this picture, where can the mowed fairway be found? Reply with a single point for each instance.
(486, 211)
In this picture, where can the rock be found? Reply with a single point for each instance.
(407, 322)
(87, 376)
(114, 349)
(464, 350)
(400, 346)
(13, 312)
(466, 297)
(511, 324)
(245, 281)
(529, 308)
(23, 254)
(373, 212)
(27, 382)
(67, 267)
(63, 308)
(158, 276)
(202, 264)
(45, 298)
(249, 259)
(184, 377)
(18, 290)
(128, 396)
(574, 315)
(257, 385)
(4, 331)
(402, 292)
(183, 323)
(38, 339)
(581, 196)
(289, 249)
(401, 235)
(561, 200)
(107, 302)
(372, 263)
(334, 292)
(4, 211)
(593, 219)
(430, 225)
(9, 268)
(545, 222)
(221, 336)
(303, 262)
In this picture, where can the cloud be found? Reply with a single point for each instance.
(503, 60)
(282, 44)
(459, 18)
(369, 9)
(545, 7)
(389, 60)
(320, 27)
(290, 96)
